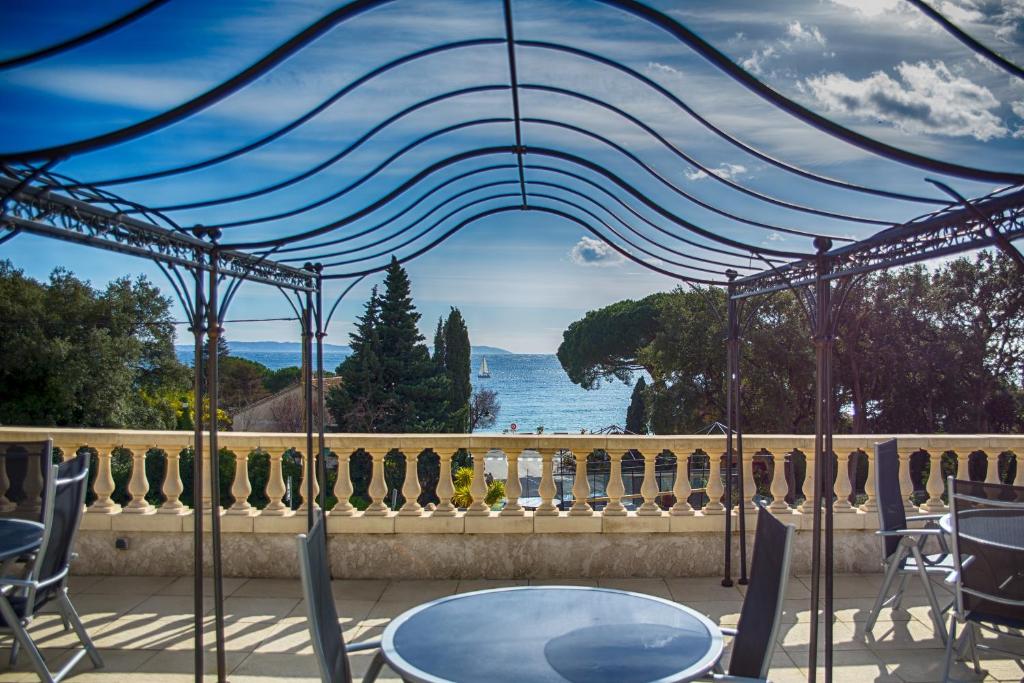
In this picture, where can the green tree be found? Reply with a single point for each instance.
(282, 378)
(636, 413)
(74, 356)
(361, 402)
(457, 370)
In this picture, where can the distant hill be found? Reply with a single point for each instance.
(490, 350)
(243, 347)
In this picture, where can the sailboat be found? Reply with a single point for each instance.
(484, 370)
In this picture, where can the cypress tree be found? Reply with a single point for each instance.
(457, 369)
(439, 346)
(407, 372)
(359, 403)
(636, 414)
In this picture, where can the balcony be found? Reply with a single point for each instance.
(587, 526)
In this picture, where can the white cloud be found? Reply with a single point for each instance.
(799, 32)
(664, 68)
(797, 37)
(872, 8)
(926, 98)
(591, 252)
(724, 170)
(775, 237)
(1018, 110)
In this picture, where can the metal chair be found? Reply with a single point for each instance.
(21, 598)
(987, 536)
(328, 642)
(755, 633)
(903, 547)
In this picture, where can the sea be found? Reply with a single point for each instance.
(533, 390)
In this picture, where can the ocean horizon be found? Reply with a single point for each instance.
(533, 390)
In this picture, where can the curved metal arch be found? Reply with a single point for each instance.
(637, 9)
(483, 186)
(724, 64)
(541, 151)
(299, 121)
(327, 163)
(968, 40)
(337, 301)
(734, 141)
(518, 207)
(696, 164)
(485, 169)
(83, 38)
(507, 195)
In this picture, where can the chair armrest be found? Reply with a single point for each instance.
(953, 577)
(728, 631)
(726, 678)
(911, 532)
(925, 518)
(363, 646)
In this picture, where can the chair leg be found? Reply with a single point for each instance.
(68, 611)
(900, 592)
(15, 649)
(930, 592)
(883, 592)
(972, 639)
(950, 637)
(373, 670)
(21, 636)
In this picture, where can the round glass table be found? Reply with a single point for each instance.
(551, 633)
(19, 536)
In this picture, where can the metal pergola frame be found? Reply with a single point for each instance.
(199, 261)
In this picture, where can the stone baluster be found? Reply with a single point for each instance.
(138, 484)
(378, 487)
(6, 505)
(808, 487)
(104, 484)
(649, 488)
(1018, 479)
(870, 502)
(681, 489)
(992, 468)
(779, 487)
(749, 484)
(411, 486)
(343, 488)
(844, 487)
(275, 485)
(935, 485)
(615, 488)
(906, 483)
(316, 486)
(547, 490)
(241, 487)
(67, 451)
(478, 487)
(714, 488)
(207, 489)
(963, 459)
(33, 484)
(173, 486)
(445, 488)
(581, 488)
(513, 487)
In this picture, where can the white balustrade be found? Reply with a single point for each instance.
(992, 468)
(173, 486)
(714, 486)
(681, 489)
(649, 487)
(547, 489)
(809, 485)
(302, 485)
(844, 487)
(138, 484)
(935, 484)
(581, 489)
(343, 488)
(906, 483)
(275, 485)
(411, 486)
(378, 486)
(615, 488)
(104, 484)
(749, 483)
(779, 486)
(6, 505)
(241, 487)
(478, 487)
(870, 504)
(445, 488)
(513, 487)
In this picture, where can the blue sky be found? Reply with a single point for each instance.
(877, 66)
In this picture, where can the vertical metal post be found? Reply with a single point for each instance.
(321, 408)
(823, 469)
(212, 380)
(737, 427)
(307, 382)
(198, 332)
(730, 409)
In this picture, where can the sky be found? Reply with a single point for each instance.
(519, 278)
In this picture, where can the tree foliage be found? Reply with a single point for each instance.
(636, 413)
(483, 409)
(73, 356)
(456, 353)
(916, 351)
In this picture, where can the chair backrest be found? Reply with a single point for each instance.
(20, 458)
(987, 522)
(63, 502)
(892, 515)
(762, 607)
(328, 643)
